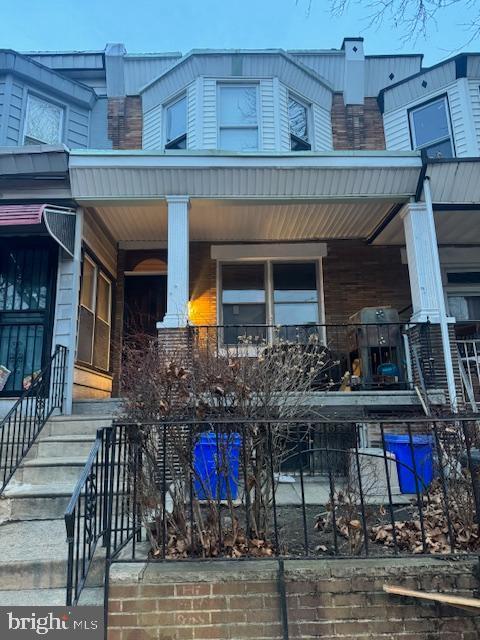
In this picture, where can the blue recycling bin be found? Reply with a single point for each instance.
(216, 463)
(421, 461)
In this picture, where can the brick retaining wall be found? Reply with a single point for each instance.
(329, 599)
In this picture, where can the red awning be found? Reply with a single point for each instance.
(20, 214)
(59, 222)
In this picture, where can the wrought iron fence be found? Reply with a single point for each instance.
(360, 356)
(102, 508)
(255, 489)
(22, 424)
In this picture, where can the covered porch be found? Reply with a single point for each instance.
(260, 249)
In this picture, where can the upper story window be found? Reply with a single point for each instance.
(430, 128)
(298, 115)
(43, 122)
(176, 124)
(238, 117)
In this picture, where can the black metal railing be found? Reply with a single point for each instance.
(262, 489)
(254, 489)
(25, 420)
(101, 509)
(361, 356)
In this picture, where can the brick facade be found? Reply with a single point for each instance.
(357, 126)
(203, 285)
(325, 599)
(357, 275)
(125, 122)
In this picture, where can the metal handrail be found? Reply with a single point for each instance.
(88, 500)
(26, 419)
(100, 508)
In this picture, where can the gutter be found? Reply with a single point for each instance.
(395, 210)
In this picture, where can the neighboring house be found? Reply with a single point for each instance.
(239, 188)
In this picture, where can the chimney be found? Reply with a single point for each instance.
(114, 72)
(354, 76)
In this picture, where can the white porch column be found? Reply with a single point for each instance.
(423, 262)
(178, 263)
(425, 276)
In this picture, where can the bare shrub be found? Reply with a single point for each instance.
(174, 395)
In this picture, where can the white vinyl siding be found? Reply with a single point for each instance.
(322, 129)
(78, 121)
(209, 113)
(284, 124)
(2, 106)
(458, 118)
(397, 129)
(474, 91)
(267, 116)
(193, 122)
(273, 119)
(152, 128)
(15, 114)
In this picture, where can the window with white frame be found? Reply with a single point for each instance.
(238, 117)
(176, 124)
(272, 292)
(43, 122)
(94, 323)
(299, 119)
(463, 292)
(430, 128)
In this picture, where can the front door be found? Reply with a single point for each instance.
(145, 303)
(27, 276)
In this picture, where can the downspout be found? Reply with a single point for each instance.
(447, 353)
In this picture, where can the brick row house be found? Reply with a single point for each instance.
(245, 188)
(238, 198)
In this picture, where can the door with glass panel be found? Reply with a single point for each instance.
(27, 277)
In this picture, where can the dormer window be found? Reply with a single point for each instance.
(298, 114)
(238, 117)
(43, 122)
(430, 128)
(176, 124)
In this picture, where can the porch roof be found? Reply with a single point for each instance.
(245, 197)
(455, 188)
(143, 175)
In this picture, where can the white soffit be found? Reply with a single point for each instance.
(233, 221)
(146, 176)
(453, 227)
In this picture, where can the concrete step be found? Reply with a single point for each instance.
(48, 597)
(75, 425)
(33, 555)
(106, 407)
(50, 470)
(65, 446)
(22, 501)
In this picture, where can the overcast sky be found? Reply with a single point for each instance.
(181, 25)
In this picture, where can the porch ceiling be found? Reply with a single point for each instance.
(452, 226)
(248, 221)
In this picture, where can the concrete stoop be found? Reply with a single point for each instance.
(33, 548)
